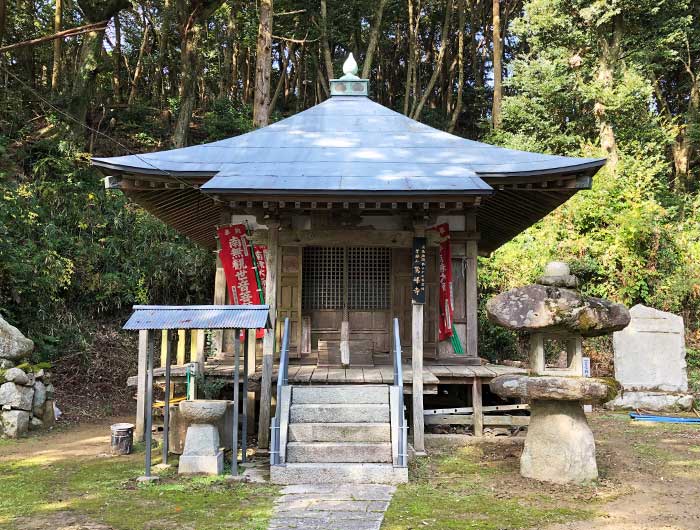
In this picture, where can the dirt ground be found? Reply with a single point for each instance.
(657, 470)
(650, 475)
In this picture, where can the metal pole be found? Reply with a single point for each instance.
(244, 409)
(172, 347)
(149, 403)
(236, 377)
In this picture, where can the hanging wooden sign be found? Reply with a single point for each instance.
(418, 271)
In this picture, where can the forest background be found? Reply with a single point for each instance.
(614, 78)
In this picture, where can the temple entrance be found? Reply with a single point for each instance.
(351, 285)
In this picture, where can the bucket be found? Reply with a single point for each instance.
(122, 438)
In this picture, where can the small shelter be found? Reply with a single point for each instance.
(146, 319)
(346, 195)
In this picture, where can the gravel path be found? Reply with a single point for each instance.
(331, 507)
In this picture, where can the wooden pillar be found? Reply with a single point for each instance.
(163, 346)
(217, 335)
(168, 392)
(417, 366)
(236, 399)
(478, 413)
(181, 347)
(141, 385)
(470, 280)
(149, 405)
(249, 336)
(196, 356)
(250, 369)
(269, 339)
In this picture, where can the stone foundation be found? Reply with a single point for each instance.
(559, 446)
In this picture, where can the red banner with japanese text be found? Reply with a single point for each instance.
(240, 260)
(446, 296)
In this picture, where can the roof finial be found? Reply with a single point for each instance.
(349, 84)
(350, 66)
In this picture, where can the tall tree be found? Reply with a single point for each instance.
(89, 59)
(609, 50)
(193, 13)
(461, 10)
(263, 66)
(373, 38)
(496, 117)
(439, 60)
(145, 39)
(57, 26)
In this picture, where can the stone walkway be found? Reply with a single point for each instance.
(331, 507)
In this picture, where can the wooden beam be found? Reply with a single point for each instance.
(471, 296)
(141, 385)
(478, 413)
(269, 338)
(217, 335)
(368, 237)
(470, 410)
(181, 347)
(468, 419)
(417, 365)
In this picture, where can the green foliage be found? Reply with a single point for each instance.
(210, 386)
(227, 118)
(71, 252)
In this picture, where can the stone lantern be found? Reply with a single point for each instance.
(559, 446)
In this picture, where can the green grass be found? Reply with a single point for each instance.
(104, 490)
(462, 491)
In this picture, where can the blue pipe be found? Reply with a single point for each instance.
(663, 419)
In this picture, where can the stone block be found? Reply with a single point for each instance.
(17, 376)
(339, 452)
(48, 417)
(13, 345)
(654, 401)
(16, 396)
(15, 423)
(35, 424)
(39, 398)
(201, 464)
(341, 394)
(339, 432)
(339, 413)
(650, 352)
(338, 474)
(201, 440)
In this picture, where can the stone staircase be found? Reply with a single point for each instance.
(339, 434)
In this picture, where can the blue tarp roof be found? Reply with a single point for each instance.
(199, 317)
(346, 144)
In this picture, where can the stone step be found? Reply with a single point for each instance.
(338, 474)
(341, 394)
(316, 452)
(339, 432)
(339, 413)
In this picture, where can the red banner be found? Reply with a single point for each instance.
(237, 262)
(239, 267)
(446, 297)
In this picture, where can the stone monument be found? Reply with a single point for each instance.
(202, 453)
(559, 446)
(650, 362)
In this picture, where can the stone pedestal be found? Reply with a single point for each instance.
(559, 446)
(202, 452)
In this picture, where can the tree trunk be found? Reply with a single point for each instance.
(3, 19)
(607, 64)
(139, 62)
(373, 38)
(438, 61)
(284, 63)
(411, 63)
(460, 65)
(192, 33)
(325, 46)
(117, 60)
(227, 71)
(263, 66)
(162, 51)
(496, 116)
(57, 26)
